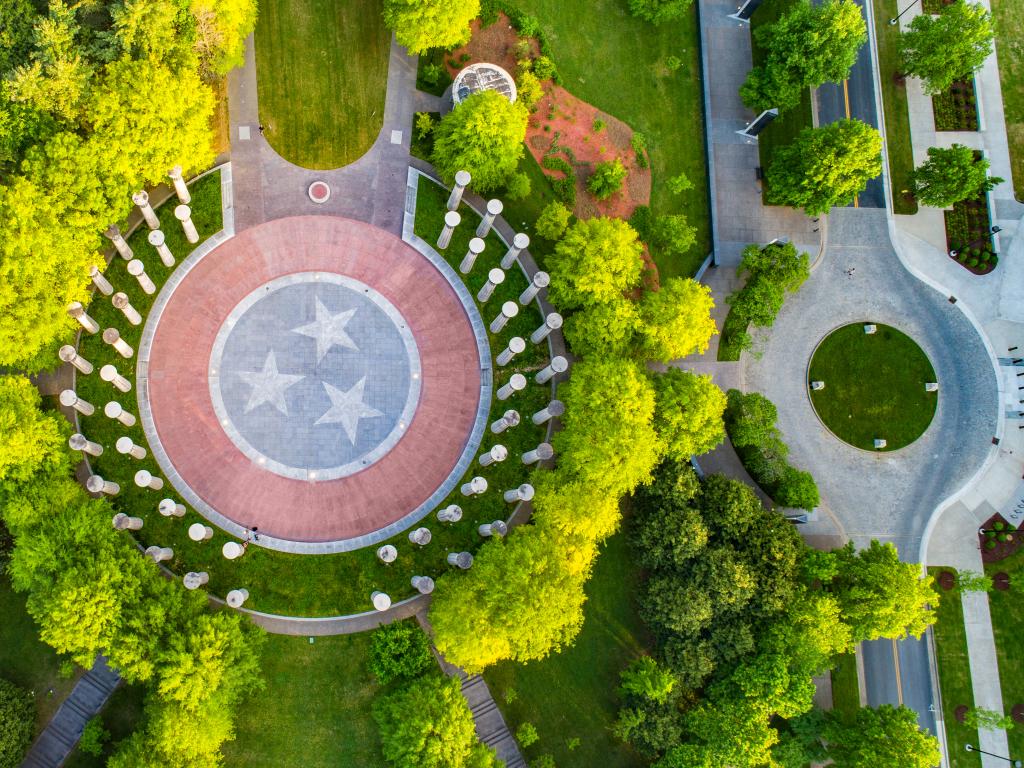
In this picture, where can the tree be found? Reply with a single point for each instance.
(423, 24)
(483, 135)
(676, 320)
(399, 650)
(647, 679)
(149, 29)
(517, 187)
(606, 179)
(951, 175)
(771, 271)
(553, 220)
(688, 413)
(603, 331)
(17, 721)
(659, 11)
(825, 166)
(29, 440)
(528, 89)
(971, 581)
(751, 419)
(987, 720)
(884, 736)
(570, 507)
(672, 234)
(597, 260)
(16, 23)
(221, 29)
(948, 47)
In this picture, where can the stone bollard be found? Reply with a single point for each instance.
(387, 554)
(542, 452)
(102, 284)
(557, 365)
(124, 445)
(145, 479)
(494, 278)
(421, 536)
(494, 207)
(112, 337)
(159, 241)
(551, 323)
(77, 312)
(79, 442)
(159, 554)
(496, 455)
(381, 601)
(497, 528)
(462, 179)
(69, 399)
(114, 235)
(476, 247)
(817, 385)
(552, 410)
(200, 532)
(120, 301)
(508, 420)
(184, 214)
(516, 384)
(451, 221)
(523, 493)
(423, 584)
(931, 386)
(123, 522)
(96, 484)
(870, 328)
(516, 345)
(232, 550)
(113, 410)
(109, 374)
(450, 514)
(180, 187)
(880, 443)
(67, 354)
(463, 560)
(508, 310)
(171, 508)
(138, 270)
(195, 579)
(539, 280)
(141, 199)
(474, 487)
(519, 243)
(236, 597)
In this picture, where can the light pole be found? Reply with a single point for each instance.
(897, 18)
(954, 252)
(972, 748)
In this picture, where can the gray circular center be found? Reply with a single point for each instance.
(315, 376)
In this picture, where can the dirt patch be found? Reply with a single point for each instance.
(496, 44)
(946, 580)
(998, 539)
(1001, 581)
(960, 713)
(1017, 713)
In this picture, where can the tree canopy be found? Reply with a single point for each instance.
(884, 736)
(659, 11)
(688, 413)
(596, 261)
(948, 47)
(17, 722)
(29, 439)
(676, 320)
(950, 175)
(423, 24)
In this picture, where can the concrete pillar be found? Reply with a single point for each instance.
(496, 455)
(102, 284)
(523, 493)
(79, 442)
(69, 399)
(123, 522)
(171, 508)
(476, 247)
(195, 579)
(508, 420)
(542, 452)
(494, 278)
(880, 443)
(463, 560)
(114, 235)
(141, 199)
(450, 514)
(180, 187)
(138, 270)
(68, 354)
(96, 484)
(184, 214)
(557, 365)
(159, 241)
(423, 584)
(159, 554)
(552, 410)
(551, 323)
(109, 374)
(870, 328)
(516, 384)
(124, 445)
(120, 301)
(817, 385)
(497, 528)
(145, 479)
(232, 550)
(387, 554)
(112, 337)
(77, 312)
(381, 601)
(494, 207)
(516, 345)
(508, 310)
(421, 536)
(451, 221)
(519, 243)
(200, 532)
(539, 280)
(462, 179)
(114, 410)
(474, 487)
(931, 386)
(236, 597)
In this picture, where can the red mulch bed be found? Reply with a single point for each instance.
(960, 713)
(947, 580)
(1001, 581)
(1017, 713)
(1002, 549)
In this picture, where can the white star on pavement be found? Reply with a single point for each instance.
(268, 385)
(328, 330)
(347, 408)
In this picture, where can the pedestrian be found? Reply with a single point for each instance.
(261, 127)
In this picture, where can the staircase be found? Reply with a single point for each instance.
(490, 725)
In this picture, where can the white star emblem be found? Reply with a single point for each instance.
(347, 408)
(268, 385)
(328, 330)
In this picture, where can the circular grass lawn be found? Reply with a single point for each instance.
(874, 386)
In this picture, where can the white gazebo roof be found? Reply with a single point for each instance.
(483, 77)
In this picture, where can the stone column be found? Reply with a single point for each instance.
(159, 554)
(474, 487)
(494, 207)
(387, 554)
(516, 384)
(497, 528)
(96, 484)
(125, 446)
(381, 601)
(462, 179)
(141, 199)
(200, 532)
(236, 597)
(180, 187)
(519, 243)
(463, 560)
(145, 479)
(195, 579)
(120, 301)
(113, 337)
(496, 455)
(554, 409)
(523, 493)
(114, 235)
(508, 420)
(171, 508)
(123, 522)
(476, 247)
(423, 584)
(138, 270)
(109, 373)
(421, 536)
(102, 284)
(67, 354)
(77, 311)
(232, 550)
(184, 214)
(79, 442)
(515, 346)
(557, 365)
(159, 241)
(450, 514)
(69, 399)
(542, 452)
(114, 410)
(551, 323)
(494, 278)
(540, 280)
(451, 221)
(508, 310)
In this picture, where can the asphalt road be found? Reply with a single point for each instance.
(896, 672)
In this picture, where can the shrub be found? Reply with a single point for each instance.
(518, 187)
(972, 262)
(424, 124)
(399, 650)
(529, 90)
(526, 735)
(94, 736)
(17, 718)
(679, 184)
(639, 143)
(565, 187)
(606, 179)
(553, 220)
(544, 761)
(599, 125)
(431, 73)
(672, 234)
(544, 68)
(673, 63)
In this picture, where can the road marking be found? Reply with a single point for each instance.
(846, 98)
(899, 679)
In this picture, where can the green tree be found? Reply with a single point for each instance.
(30, 441)
(948, 47)
(688, 413)
(751, 419)
(971, 581)
(399, 650)
(676, 320)
(569, 506)
(483, 135)
(526, 735)
(423, 24)
(528, 89)
(17, 721)
(17, 18)
(597, 260)
(221, 29)
(605, 330)
(771, 272)
(150, 29)
(950, 175)
(672, 234)
(553, 220)
(825, 166)
(659, 11)
(606, 179)
(987, 720)
(884, 736)
(647, 679)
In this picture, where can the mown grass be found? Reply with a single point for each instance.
(1009, 24)
(1008, 626)
(845, 687)
(120, 718)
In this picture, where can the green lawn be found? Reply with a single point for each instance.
(314, 711)
(954, 675)
(1009, 23)
(845, 687)
(894, 102)
(874, 386)
(323, 68)
(573, 694)
(120, 718)
(1008, 625)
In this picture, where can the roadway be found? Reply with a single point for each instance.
(897, 672)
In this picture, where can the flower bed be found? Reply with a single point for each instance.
(998, 539)
(969, 236)
(957, 108)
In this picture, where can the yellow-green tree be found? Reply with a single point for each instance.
(423, 24)
(29, 439)
(688, 413)
(221, 29)
(676, 321)
(596, 261)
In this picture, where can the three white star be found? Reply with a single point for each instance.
(268, 385)
(328, 330)
(347, 408)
